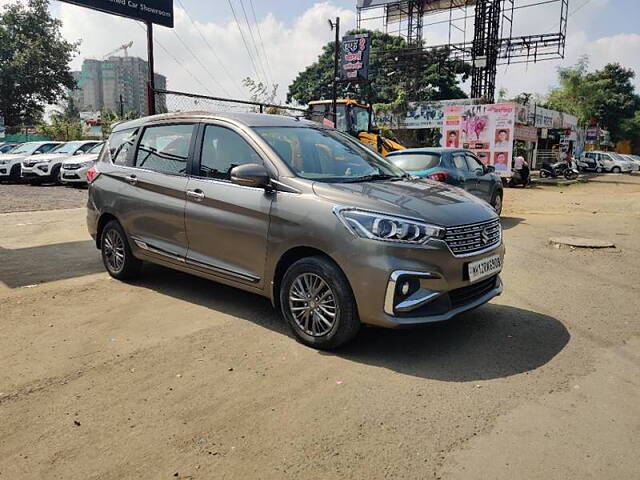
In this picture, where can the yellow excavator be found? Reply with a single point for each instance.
(354, 118)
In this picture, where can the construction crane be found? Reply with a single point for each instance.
(124, 47)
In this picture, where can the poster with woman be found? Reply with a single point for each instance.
(486, 130)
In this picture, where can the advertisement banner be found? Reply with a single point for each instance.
(487, 130)
(154, 11)
(354, 57)
(526, 133)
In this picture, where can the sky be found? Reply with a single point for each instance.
(206, 52)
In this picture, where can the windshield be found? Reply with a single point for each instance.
(67, 147)
(25, 148)
(413, 162)
(96, 149)
(327, 155)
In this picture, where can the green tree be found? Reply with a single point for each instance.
(61, 128)
(608, 95)
(34, 61)
(439, 79)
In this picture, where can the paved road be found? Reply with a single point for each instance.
(172, 376)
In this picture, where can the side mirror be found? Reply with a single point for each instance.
(250, 175)
(490, 168)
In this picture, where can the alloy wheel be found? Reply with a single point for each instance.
(114, 251)
(313, 304)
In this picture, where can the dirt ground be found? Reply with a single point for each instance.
(28, 198)
(172, 376)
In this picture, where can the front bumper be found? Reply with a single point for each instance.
(443, 281)
(39, 171)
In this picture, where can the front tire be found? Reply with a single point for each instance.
(616, 170)
(317, 302)
(496, 202)
(116, 253)
(14, 176)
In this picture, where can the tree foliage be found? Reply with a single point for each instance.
(34, 61)
(439, 80)
(608, 95)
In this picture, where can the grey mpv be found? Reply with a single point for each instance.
(335, 235)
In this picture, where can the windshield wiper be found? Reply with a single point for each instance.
(373, 177)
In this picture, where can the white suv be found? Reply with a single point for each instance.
(74, 169)
(46, 168)
(604, 162)
(10, 163)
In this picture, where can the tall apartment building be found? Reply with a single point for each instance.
(105, 84)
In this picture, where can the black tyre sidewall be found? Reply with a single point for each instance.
(493, 201)
(347, 323)
(131, 265)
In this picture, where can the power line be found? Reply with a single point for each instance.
(184, 67)
(211, 49)
(253, 63)
(215, 80)
(253, 40)
(255, 20)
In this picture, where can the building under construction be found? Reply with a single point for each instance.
(483, 33)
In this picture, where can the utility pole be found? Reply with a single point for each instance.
(335, 26)
(151, 84)
(121, 108)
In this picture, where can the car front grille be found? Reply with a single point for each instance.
(70, 167)
(469, 239)
(464, 295)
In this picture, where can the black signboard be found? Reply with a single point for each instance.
(354, 57)
(154, 11)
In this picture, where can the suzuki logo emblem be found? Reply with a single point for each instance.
(485, 236)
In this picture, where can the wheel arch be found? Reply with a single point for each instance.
(290, 257)
(102, 221)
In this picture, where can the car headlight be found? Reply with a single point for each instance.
(87, 164)
(387, 228)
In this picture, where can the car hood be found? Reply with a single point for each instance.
(81, 158)
(8, 156)
(431, 201)
(46, 157)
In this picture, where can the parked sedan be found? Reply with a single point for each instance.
(634, 160)
(46, 168)
(10, 163)
(453, 166)
(74, 169)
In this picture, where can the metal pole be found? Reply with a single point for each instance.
(335, 74)
(151, 85)
(121, 107)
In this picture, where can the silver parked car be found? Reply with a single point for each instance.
(46, 168)
(74, 169)
(634, 160)
(11, 162)
(334, 234)
(604, 162)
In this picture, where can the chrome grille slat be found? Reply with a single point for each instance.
(465, 239)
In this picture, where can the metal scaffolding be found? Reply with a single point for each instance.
(486, 28)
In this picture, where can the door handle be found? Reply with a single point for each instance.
(197, 195)
(131, 179)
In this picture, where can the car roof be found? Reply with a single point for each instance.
(246, 119)
(438, 150)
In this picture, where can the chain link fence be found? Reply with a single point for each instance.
(167, 101)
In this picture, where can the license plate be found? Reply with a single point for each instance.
(485, 267)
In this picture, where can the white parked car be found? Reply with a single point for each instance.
(10, 163)
(604, 162)
(74, 169)
(46, 168)
(634, 160)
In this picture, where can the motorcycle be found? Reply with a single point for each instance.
(565, 169)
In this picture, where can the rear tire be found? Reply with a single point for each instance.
(317, 302)
(544, 174)
(116, 253)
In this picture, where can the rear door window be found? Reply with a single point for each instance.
(460, 162)
(165, 148)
